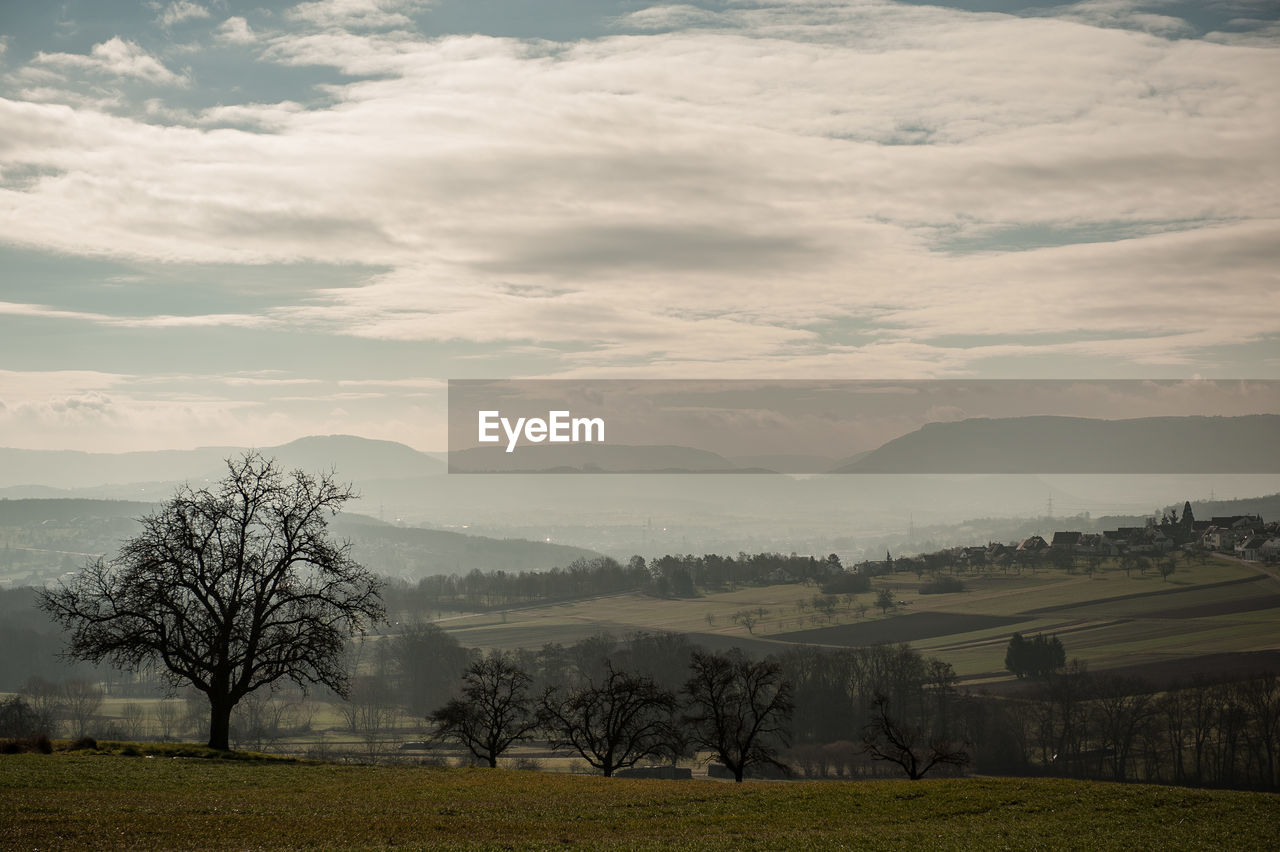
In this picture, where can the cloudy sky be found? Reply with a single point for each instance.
(240, 223)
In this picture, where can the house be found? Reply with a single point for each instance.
(1033, 544)
(1068, 541)
(1219, 538)
(1251, 548)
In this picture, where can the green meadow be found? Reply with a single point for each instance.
(105, 801)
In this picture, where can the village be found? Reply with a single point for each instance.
(1246, 537)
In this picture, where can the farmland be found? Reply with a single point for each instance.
(1108, 619)
(112, 802)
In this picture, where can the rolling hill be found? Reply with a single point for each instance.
(1145, 445)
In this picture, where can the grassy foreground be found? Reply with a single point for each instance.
(111, 801)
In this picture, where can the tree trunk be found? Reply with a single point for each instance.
(220, 722)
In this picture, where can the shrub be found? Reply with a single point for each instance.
(17, 718)
(39, 744)
(942, 585)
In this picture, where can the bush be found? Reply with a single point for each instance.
(942, 585)
(1037, 657)
(18, 720)
(39, 745)
(84, 743)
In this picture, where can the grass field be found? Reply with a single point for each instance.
(1108, 620)
(114, 802)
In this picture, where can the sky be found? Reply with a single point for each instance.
(228, 223)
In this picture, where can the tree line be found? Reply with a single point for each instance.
(666, 576)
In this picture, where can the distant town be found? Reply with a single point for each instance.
(1246, 537)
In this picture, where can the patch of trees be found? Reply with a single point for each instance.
(666, 576)
(881, 704)
(731, 706)
(651, 697)
(942, 584)
(24, 626)
(1115, 727)
(1037, 657)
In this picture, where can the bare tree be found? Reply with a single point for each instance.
(613, 725)
(886, 738)
(46, 702)
(82, 701)
(166, 714)
(494, 712)
(231, 589)
(371, 711)
(748, 618)
(133, 719)
(738, 709)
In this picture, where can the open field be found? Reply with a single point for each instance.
(113, 802)
(1178, 625)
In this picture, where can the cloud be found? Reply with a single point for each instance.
(1130, 14)
(800, 189)
(116, 57)
(153, 321)
(673, 17)
(235, 30)
(110, 412)
(179, 11)
(358, 14)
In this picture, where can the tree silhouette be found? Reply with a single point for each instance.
(613, 725)
(738, 709)
(231, 589)
(494, 712)
(886, 738)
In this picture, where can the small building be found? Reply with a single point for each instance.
(1251, 548)
(1068, 541)
(1033, 544)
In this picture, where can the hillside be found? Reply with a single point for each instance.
(112, 802)
(588, 458)
(1207, 617)
(1155, 445)
(349, 455)
(40, 539)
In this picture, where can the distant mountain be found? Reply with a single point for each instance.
(787, 463)
(353, 458)
(589, 458)
(1249, 444)
(412, 553)
(43, 534)
(16, 513)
